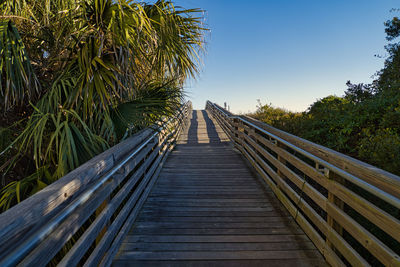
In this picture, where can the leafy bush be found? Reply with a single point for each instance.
(368, 129)
(381, 149)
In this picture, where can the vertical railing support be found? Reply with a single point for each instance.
(334, 178)
(282, 160)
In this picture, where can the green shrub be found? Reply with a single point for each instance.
(381, 149)
(367, 128)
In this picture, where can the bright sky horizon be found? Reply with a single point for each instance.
(285, 52)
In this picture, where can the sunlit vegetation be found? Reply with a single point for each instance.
(79, 76)
(364, 123)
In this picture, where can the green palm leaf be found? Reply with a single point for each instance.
(106, 69)
(18, 80)
(151, 104)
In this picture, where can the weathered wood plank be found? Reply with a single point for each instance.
(116, 242)
(384, 180)
(208, 205)
(211, 213)
(289, 238)
(206, 209)
(328, 253)
(211, 225)
(175, 204)
(224, 263)
(78, 251)
(220, 255)
(115, 228)
(324, 225)
(212, 200)
(43, 224)
(34, 209)
(149, 246)
(243, 219)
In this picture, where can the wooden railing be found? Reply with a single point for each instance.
(349, 209)
(83, 217)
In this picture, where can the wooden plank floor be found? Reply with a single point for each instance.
(209, 209)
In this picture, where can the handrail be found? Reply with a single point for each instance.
(124, 175)
(334, 207)
(368, 187)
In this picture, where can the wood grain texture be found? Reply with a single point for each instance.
(209, 208)
(38, 208)
(384, 180)
(68, 211)
(319, 187)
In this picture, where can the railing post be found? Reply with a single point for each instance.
(98, 212)
(252, 134)
(334, 178)
(239, 131)
(282, 160)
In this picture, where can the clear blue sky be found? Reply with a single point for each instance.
(287, 52)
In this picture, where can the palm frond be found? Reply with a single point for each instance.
(106, 69)
(60, 139)
(18, 82)
(17, 191)
(179, 39)
(151, 104)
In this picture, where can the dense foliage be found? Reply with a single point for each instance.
(79, 76)
(364, 123)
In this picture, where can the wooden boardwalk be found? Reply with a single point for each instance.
(208, 208)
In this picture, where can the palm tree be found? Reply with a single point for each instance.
(79, 76)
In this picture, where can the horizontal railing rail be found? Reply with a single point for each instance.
(82, 218)
(349, 209)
